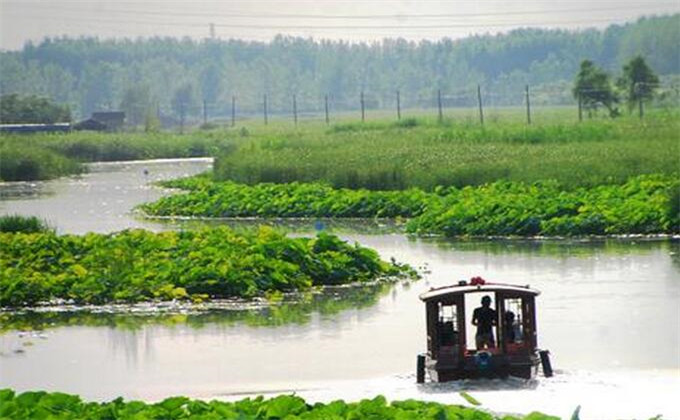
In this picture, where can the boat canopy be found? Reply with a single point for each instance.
(465, 287)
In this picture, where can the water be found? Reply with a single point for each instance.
(101, 200)
(609, 313)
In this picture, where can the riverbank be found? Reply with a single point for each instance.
(419, 153)
(31, 157)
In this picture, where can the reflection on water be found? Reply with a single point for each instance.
(298, 308)
(295, 226)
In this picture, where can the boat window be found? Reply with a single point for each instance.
(513, 325)
(448, 320)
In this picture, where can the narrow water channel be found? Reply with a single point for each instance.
(609, 313)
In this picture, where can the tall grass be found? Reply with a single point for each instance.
(24, 224)
(45, 156)
(426, 154)
(29, 162)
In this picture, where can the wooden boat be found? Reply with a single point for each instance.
(513, 351)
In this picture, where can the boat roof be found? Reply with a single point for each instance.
(463, 288)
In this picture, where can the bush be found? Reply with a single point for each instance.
(17, 223)
(28, 163)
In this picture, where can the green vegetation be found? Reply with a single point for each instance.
(594, 88)
(17, 223)
(638, 81)
(226, 199)
(15, 109)
(645, 204)
(25, 162)
(45, 156)
(385, 156)
(137, 265)
(642, 205)
(57, 405)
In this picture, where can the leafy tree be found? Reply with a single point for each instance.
(15, 109)
(638, 81)
(183, 101)
(137, 103)
(594, 88)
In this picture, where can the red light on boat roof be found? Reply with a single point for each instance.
(477, 281)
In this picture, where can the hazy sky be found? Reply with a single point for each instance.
(23, 20)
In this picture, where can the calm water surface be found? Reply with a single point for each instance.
(609, 313)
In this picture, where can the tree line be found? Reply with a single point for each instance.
(173, 77)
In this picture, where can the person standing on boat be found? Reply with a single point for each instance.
(484, 318)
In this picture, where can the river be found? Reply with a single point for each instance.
(609, 313)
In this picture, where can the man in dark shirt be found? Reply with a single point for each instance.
(484, 318)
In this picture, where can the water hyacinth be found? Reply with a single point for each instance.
(138, 265)
(58, 405)
(647, 204)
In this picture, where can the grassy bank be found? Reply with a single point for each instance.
(46, 156)
(423, 153)
(57, 405)
(382, 154)
(23, 162)
(643, 205)
(133, 266)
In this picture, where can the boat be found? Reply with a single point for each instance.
(454, 352)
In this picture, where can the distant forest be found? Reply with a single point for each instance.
(177, 75)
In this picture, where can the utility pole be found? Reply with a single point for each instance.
(363, 112)
(439, 105)
(265, 110)
(526, 95)
(580, 106)
(325, 99)
(295, 110)
(398, 106)
(233, 111)
(205, 112)
(479, 101)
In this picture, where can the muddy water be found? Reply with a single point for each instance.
(609, 313)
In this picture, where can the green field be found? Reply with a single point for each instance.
(424, 153)
(382, 153)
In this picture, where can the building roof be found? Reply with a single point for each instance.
(108, 116)
(439, 292)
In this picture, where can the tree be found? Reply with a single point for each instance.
(183, 101)
(31, 110)
(638, 81)
(137, 103)
(593, 88)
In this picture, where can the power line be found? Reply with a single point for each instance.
(330, 27)
(349, 17)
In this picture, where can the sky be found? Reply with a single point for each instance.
(365, 20)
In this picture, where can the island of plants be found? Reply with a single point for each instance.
(645, 204)
(137, 265)
(57, 405)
